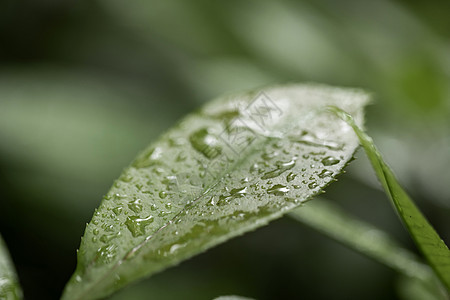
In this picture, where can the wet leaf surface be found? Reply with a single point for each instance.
(9, 285)
(240, 162)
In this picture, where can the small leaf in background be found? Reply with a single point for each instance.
(238, 163)
(329, 219)
(426, 238)
(9, 284)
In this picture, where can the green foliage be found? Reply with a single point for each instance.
(238, 163)
(84, 85)
(9, 285)
(329, 219)
(426, 238)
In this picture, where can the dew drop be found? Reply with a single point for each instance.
(212, 201)
(118, 196)
(137, 225)
(108, 237)
(106, 253)
(126, 178)
(162, 194)
(292, 200)
(312, 185)
(254, 167)
(108, 227)
(206, 143)
(163, 213)
(325, 173)
(291, 176)
(135, 205)
(281, 168)
(329, 161)
(238, 192)
(269, 155)
(175, 247)
(170, 181)
(117, 210)
(155, 154)
(278, 190)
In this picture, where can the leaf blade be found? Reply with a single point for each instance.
(228, 169)
(9, 284)
(329, 219)
(426, 238)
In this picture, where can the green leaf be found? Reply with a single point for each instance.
(332, 221)
(329, 219)
(410, 288)
(426, 238)
(9, 285)
(240, 162)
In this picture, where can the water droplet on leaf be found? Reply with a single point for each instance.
(137, 225)
(329, 161)
(278, 190)
(325, 173)
(206, 143)
(291, 176)
(135, 205)
(312, 185)
(280, 169)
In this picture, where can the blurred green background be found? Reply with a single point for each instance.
(85, 85)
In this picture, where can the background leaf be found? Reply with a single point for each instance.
(240, 162)
(9, 284)
(329, 219)
(426, 238)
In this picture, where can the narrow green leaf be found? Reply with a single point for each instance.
(329, 219)
(412, 288)
(332, 221)
(238, 163)
(9, 285)
(426, 238)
